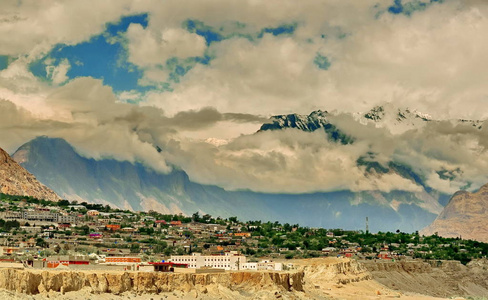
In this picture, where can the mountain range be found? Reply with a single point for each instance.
(135, 186)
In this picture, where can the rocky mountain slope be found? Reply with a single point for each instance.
(137, 187)
(464, 216)
(15, 180)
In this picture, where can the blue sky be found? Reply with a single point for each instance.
(409, 7)
(104, 56)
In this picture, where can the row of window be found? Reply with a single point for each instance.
(206, 259)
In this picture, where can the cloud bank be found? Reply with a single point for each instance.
(212, 72)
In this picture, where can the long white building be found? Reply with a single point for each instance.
(229, 261)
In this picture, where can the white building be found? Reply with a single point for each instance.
(229, 261)
(264, 265)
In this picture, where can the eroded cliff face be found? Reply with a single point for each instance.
(326, 271)
(33, 282)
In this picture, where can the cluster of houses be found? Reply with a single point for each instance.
(58, 229)
(121, 239)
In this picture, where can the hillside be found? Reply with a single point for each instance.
(15, 180)
(464, 216)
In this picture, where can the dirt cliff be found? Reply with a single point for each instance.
(32, 282)
(326, 270)
(15, 180)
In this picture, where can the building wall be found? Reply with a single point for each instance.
(229, 261)
(262, 266)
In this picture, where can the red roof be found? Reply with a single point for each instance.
(167, 263)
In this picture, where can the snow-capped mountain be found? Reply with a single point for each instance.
(314, 121)
(398, 120)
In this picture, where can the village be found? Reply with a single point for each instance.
(44, 234)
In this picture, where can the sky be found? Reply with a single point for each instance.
(197, 79)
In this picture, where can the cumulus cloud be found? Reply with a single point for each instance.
(88, 114)
(426, 59)
(32, 27)
(288, 161)
(149, 47)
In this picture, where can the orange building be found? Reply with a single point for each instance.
(113, 227)
(242, 234)
(122, 260)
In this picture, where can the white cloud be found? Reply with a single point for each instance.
(151, 47)
(32, 27)
(58, 73)
(426, 61)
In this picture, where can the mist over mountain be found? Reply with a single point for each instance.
(410, 204)
(134, 186)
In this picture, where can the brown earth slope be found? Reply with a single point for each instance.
(466, 215)
(15, 180)
(434, 278)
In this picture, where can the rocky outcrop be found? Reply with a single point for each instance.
(464, 216)
(15, 180)
(34, 282)
(322, 272)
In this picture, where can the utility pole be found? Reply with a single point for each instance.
(367, 225)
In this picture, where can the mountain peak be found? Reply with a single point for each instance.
(389, 113)
(312, 122)
(316, 120)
